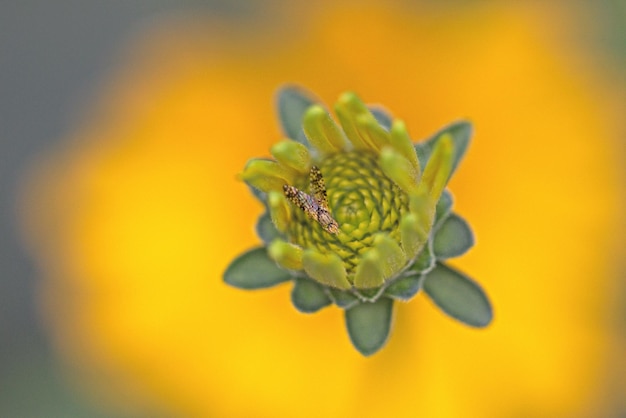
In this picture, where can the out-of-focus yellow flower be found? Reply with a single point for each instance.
(135, 220)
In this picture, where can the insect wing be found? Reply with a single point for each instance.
(318, 187)
(302, 200)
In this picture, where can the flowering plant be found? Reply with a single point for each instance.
(357, 215)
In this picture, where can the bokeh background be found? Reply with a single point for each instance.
(122, 127)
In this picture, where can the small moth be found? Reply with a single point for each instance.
(316, 206)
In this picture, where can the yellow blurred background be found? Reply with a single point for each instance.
(123, 210)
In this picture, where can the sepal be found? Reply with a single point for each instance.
(265, 228)
(382, 115)
(460, 132)
(255, 270)
(453, 238)
(308, 296)
(342, 298)
(443, 208)
(458, 296)
(292, 103)
(369, 324)
(405, 287)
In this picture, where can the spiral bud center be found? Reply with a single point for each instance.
(362, 199)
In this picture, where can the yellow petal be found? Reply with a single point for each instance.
(369, 271)
(401, 142)
(279, 210)
(412, 235)
(392, 258)
(322, 131)
(438, 168)
(327, 269)
(421, 204)
(266, 175)
(398, 168)
(371, 131)
(293, 155)
(359, 124)
(285, 254)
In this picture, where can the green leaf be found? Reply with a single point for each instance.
(343, 298)
(458, 296)
(265, 228)
(453, 238)
(444, 208)
(308, 296)
(292, 104)
(369, 324)
(382, 116)
(255, 270)
(459, 131)
(405, 288)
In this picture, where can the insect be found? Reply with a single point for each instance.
(316, 206)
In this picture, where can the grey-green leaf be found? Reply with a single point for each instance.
(458, 296)
(453, 238)
(255, 270)
(382, 116)
(261, 196)
(343, 298)
(265, 228)
(460, 132)
(369, 324)
(444, 208)
(308, 296)
(292, 103)
(405, 288)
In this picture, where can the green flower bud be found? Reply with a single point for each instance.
(355, 218)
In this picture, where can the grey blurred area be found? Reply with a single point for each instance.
(53, 56)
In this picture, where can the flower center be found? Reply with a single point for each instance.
(362, 199)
